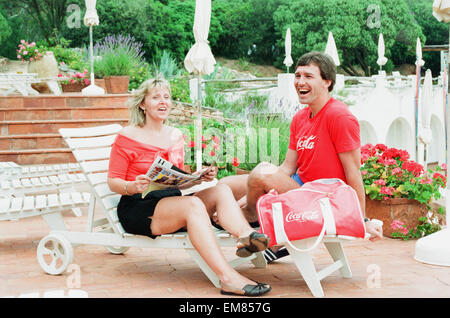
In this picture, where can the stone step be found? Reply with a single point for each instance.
(31, 141)
(22, 127)
(37, 156)
(62, 113)
(65, 100)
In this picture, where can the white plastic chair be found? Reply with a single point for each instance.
(91, 148)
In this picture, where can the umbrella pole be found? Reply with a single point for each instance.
(447, 119)
(91, 51)
(198, 125)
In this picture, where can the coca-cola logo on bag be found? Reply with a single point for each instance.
(306, 142)
(302, 216)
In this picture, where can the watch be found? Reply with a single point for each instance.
(366, 220)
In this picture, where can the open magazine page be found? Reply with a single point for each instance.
(164, 174)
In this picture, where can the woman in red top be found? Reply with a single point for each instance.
(167, 211)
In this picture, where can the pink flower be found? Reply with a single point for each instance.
(216, 139)
(212, 153)
(235, 162)
(19, 57)
(60, 75)
(86, 81)
(426, 181)
(396, 171)
(25, 52)
(364, 172)
(191, 144)
(396, 224)
(31, 59)
(387, 190)
(380, 182)
(444, 166)
(22, 41)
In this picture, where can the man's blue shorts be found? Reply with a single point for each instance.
(297, 179)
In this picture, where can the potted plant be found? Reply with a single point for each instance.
(75, 82)
(28, 52)
(119, 56)
(397, 188)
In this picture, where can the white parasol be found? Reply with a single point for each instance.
(200, 61)
(419, 60)
(331, 49)
(425, 134)
(287, 48)
(434, 248)
(441, 10)
(90, 20)
(382, 60)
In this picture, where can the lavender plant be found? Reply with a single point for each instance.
(118, 55)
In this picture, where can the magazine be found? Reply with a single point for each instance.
(164, 174)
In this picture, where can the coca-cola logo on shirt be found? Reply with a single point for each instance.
(306, 142)
(302, 216)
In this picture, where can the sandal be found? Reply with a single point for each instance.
(272, 256)
(248, 290)
(255, 242)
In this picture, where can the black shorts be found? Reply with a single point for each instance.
(134, 212)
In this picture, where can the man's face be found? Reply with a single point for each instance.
(309, 84)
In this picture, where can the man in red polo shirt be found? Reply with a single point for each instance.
(324, 143)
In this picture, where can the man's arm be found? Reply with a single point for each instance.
(351, 161)
(289, 165)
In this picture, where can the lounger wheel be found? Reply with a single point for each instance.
(54, 254)
(117, 250)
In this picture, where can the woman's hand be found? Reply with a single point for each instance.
(140, 184)
(210, 174)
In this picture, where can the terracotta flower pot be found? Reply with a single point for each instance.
(402, 209)
(100, 82)
(72, 87)
(117, 84)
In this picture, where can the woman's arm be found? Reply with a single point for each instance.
(123, 187)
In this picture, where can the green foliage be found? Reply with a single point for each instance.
(354, 29)
(167, 66)
(139, 75)
(425, 227)
(5, 29)
(435, 32)
(180, 89)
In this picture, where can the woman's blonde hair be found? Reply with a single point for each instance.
(137, 115)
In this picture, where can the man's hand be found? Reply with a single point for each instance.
(375, 229)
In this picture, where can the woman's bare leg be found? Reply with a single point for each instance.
(220, 199)
(174, 213)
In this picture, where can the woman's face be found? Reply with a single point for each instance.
(157, 104)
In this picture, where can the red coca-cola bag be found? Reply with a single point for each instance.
(318, 208)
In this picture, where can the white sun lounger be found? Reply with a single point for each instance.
(91, 148)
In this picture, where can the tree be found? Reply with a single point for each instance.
(435, 32)
(5, 30)
(356, 26)
(48, 15)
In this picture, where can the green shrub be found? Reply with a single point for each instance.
(5, 29)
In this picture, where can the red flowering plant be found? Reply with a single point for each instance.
(390, 173)
(78, 77)
(213, 140)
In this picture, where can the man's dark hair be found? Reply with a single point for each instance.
(325, 64)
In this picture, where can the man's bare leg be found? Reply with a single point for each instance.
(261, 180)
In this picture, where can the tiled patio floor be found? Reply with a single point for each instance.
(381, 269)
